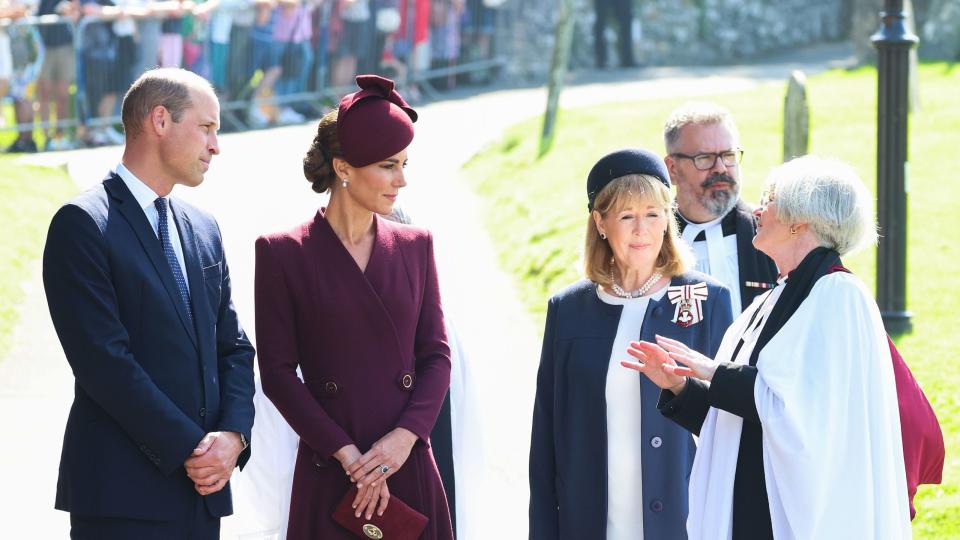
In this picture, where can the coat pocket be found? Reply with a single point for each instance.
(212, 281)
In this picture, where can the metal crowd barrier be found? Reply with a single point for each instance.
(105, 62)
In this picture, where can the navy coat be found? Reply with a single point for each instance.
(568, 449)
(149, 384)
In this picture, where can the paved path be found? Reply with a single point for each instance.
(256, 186)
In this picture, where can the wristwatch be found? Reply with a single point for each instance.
(244, 441)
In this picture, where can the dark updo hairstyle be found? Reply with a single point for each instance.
(318, 163)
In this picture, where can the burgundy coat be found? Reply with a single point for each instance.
(373, 353)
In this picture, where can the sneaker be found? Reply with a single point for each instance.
(96, 137)
(22, 146)
(113, 136)
(289, 116)
(58, 144)
(256, 118)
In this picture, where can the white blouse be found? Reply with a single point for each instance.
(624, 470)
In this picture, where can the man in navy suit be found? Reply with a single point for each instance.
(139, 292)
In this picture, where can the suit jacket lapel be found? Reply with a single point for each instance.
(137, 220)
(366, 296)
(191, 259)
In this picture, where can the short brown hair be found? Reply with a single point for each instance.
(318, 163)
(166, 87)
(674, 258)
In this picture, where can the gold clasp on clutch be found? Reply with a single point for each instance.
(372, 531)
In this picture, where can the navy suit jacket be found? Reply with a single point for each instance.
(568, 448)
(149, 383)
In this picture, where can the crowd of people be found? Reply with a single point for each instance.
(248, 49)
(746, 330)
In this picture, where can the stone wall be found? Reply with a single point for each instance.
(671, 32)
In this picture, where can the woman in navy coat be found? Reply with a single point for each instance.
(604, 463)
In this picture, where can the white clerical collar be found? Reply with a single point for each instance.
(141, 192)
(717, 261)
(701, 226)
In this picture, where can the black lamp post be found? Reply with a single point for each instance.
(893, 43)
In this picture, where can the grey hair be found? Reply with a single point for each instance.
(701, 113)
(827, 195)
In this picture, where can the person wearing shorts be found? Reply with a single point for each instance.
(57, 73)
(353, 42)
(26, 54)
(265, 57)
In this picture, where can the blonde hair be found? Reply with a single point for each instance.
(674, 258)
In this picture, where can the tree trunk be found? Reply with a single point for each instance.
(558, 72)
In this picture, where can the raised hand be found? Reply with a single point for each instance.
(697, 365)
(655, 363)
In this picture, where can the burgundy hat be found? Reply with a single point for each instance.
(373, 123)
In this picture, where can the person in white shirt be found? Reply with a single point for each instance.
(703, 158)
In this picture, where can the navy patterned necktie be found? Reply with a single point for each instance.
(171, 256)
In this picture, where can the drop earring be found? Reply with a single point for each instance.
(343, 182)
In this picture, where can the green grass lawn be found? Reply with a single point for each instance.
(29, 196)
(536, 212)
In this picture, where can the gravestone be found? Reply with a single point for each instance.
(796, 117)
(941, 31)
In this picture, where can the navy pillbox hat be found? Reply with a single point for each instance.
(621, 163)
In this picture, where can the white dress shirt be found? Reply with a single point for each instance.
(716, 257)
(145, 197)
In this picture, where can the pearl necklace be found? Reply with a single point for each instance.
(619, 291)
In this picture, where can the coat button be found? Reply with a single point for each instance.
(656, 506)
(203, 411)
(656, 442)
(331, 387)
(407, 381)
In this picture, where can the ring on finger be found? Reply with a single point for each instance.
(384, 469)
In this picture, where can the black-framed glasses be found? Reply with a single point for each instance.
(706, 161)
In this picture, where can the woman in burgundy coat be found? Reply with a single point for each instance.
(352, 299)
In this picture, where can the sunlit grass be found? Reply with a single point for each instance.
(536, 212)
(28, 198)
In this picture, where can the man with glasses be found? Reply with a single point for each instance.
(703, 158)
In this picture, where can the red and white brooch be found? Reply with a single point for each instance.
(688, 303)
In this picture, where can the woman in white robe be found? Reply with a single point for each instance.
(797, 416)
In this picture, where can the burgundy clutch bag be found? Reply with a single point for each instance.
(398, 522)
